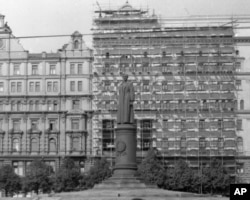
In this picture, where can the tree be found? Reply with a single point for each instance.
(100, 171)
(9, 181)
(215, 179)
(38, 177)
(151, 169)
(68, 176)
(180, 178)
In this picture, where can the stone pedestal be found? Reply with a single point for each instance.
(125, 163)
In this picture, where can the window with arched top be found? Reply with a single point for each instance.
(15, 145)
(34, 145)
(240, 144)
(242, 104)
(76, 44)
(52, 145)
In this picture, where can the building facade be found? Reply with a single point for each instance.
(45, 101)
(191, 82)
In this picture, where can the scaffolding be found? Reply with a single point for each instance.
(184, 79)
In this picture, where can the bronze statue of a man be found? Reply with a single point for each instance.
(126, 97)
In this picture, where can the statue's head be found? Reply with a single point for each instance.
(125, 77)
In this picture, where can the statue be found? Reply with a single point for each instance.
(126, 97)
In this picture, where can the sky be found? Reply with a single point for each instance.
(59, 17)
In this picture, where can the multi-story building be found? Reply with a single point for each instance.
(45, 101)
(187, 77)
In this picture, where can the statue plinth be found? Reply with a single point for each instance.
(125, 166)
(125, 144)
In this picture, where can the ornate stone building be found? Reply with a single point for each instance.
(191, 81)
(45, 101)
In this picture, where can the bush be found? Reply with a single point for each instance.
(38, 177)
(9, 181)
(96, 174)
(68, 176)
(151, 169)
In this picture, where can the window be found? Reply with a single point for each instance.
(79, 69)
(52, 145)
(1, 86)
(16, 69)
(202, 143)
(49, 86)
(34, 124)
(12, 106)
(19, 87)
(52, 124)
(18, 167)
(76, 44)
(75, 144)
(34, 70)
(239, 124)
(13, 87)
(1, 106)
(72, 68)
(34, 145)
(72, 86)
(15, 145)
(1, 69)
(37, 87)
(242, 104)
(146, 129)
(16, 125)
(52, 70)
(240, 144)
(37, 105)
(31, 86)
(55, 86)
(49, 105)
(18, 106)
(55, 107)
(75, 124)
(79, 86)
(31, 106)
(108, 135)
(75, 104)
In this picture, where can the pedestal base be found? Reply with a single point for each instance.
(125, 166)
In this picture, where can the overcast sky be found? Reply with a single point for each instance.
(53, 17)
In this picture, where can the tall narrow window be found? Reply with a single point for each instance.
(108, 135)
(75, 144)
(31, 86)
(240, 144)
(242, 104)
(72, 68)
(239, 124)
(19, 86)
(55, 86)
(37, 87)
(49, 106)
(52, 124)
(18, 106)
(15, 145)
(1, 69)
(55, 106)
(79, 69)
(34, 145)
(13, 87)
(31, 105)
(36, 105)
(13, 106)
(52, 145)
(146, 129)
(49, 86)
(1, 86)
(72, 86)
(52, 69)
(79, 86)
(34, 70)
(76, 44)
(16, 70)
(75, 124)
